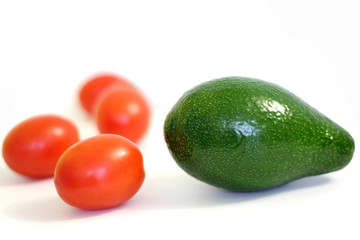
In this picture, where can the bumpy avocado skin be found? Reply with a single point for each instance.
(246, 134)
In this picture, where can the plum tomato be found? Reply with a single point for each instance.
(124, 112)
(33, 147)
(99, 172)
(96, 86)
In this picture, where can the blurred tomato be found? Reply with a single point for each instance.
(124, 112)
(96, 86)
(33, 147)
(100, 172)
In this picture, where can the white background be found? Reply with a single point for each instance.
(48, 49)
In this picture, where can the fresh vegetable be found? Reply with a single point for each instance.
(33, 147)
(246, 134)
(124, 112)
(100, 172)
(94, 88)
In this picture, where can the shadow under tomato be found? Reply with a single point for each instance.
(159, 192)
(47, 209)
(8, 178)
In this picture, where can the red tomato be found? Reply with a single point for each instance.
(124, 112)
(100, 172)
(95, 87)
(33, 147)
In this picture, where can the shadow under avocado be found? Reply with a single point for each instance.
(180, 191)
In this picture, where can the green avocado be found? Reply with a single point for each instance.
(245, 134)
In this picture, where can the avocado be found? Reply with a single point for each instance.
(246, 134)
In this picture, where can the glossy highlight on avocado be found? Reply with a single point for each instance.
(245, 134)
